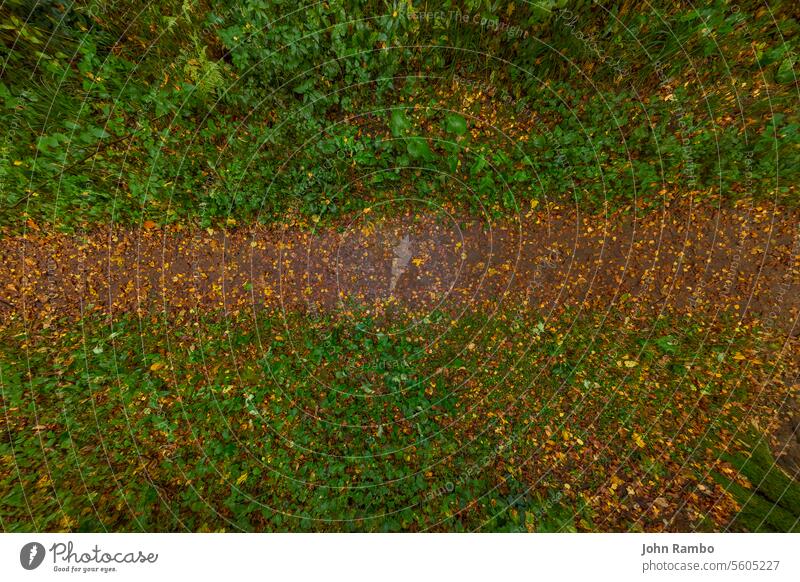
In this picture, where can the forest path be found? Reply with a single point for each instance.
(744, 260)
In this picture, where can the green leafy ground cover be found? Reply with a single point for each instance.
(773, 503)
(347, 423)
(245, 110)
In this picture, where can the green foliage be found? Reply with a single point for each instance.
(347, 423)
(229, 108)
(772, 504)
(455, 124)
(398, 123)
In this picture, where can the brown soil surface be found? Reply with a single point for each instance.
(743, 260)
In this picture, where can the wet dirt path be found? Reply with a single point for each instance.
(742, 260)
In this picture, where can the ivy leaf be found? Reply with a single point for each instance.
(418, 148)
(479, 165)
(398, 123)
(304, 87)
(455, 124)
(667, 344)
(100, 133)
(785, 74)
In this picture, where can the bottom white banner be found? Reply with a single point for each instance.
(354, 557)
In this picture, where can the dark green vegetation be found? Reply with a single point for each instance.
(588, 422)
(172, 110)
(773, 505)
